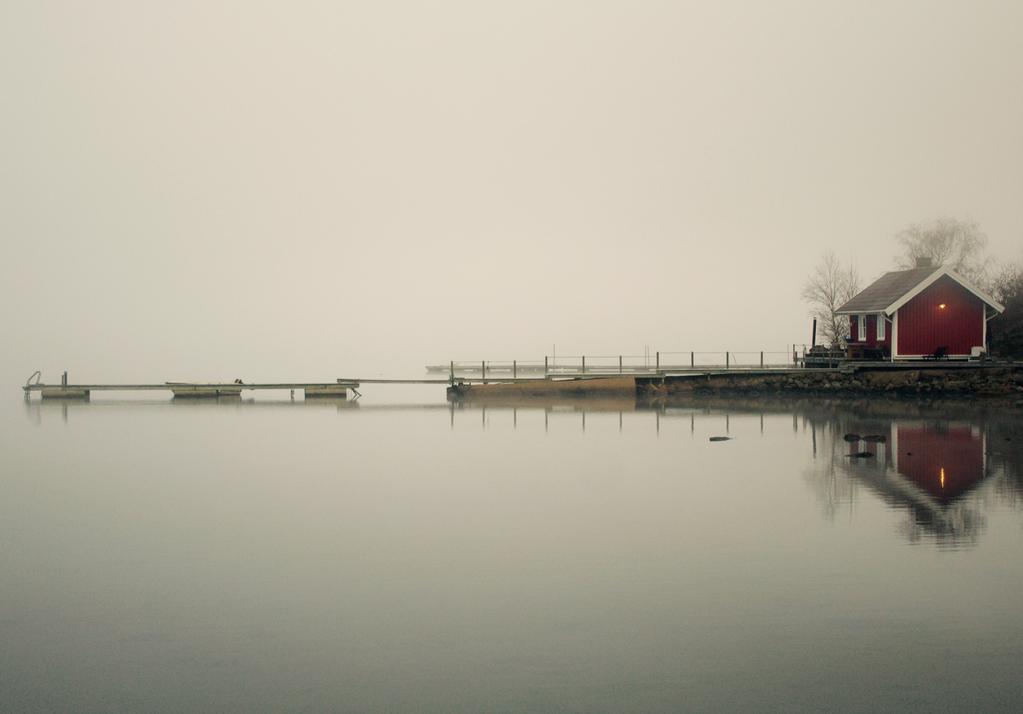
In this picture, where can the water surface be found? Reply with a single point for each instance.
(403, 554)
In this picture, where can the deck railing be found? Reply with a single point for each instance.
(655, 363)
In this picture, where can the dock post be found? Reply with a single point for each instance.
(515, 369)
(584, 364)
(761, 359)
(484, 370)
(451, 376)
(692, 360)
(545, 366)
(727, 365)
(619, 364)
(63, 379)
(657, 362)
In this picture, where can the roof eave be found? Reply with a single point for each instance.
(862, 311)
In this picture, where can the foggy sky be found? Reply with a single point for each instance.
(309, 190)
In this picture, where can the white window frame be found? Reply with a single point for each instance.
(880, 328)
(861, 328)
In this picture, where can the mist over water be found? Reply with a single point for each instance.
(403, 553)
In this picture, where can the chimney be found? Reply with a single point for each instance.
(924, 261)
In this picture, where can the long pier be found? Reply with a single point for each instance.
(589, 383)
(338, 389)
(561, 373)
(538, 376)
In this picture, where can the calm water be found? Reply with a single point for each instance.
(280, 556)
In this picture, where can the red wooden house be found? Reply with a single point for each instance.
(918, 313)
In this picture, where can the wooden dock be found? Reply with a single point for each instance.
(339, 389)
(587, 380)
(459, 384)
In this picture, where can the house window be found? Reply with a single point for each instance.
(880, 327)
(861, 328)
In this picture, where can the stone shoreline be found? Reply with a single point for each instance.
(1003, 381)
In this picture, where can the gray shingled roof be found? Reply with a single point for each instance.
(887, 289)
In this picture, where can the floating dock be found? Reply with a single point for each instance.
(195, 390)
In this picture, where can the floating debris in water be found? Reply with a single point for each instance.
(876, 438)
(851, 437)
(720, 438)
(861, 455)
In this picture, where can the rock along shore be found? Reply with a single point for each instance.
(1005, 381)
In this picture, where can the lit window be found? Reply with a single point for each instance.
(880, 326)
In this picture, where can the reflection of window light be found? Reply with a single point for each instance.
(942, 478)
(941, 306)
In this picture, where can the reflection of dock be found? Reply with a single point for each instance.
(596, 404)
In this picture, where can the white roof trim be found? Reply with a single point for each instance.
(856, 312)
(926, 283)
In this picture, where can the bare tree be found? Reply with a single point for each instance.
(1006, 331)
(827, 289)
(959, 244)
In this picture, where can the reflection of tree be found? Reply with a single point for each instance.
(834, 489)
(1005, 460)
(955, 525)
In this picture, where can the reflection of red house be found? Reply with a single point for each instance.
(909, 314)
(945, 462)
(927, 468)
